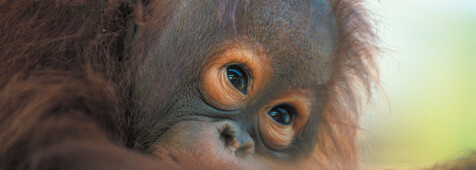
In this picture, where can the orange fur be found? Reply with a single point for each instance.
(62, 60)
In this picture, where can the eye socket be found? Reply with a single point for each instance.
(238, 77)
(234, 76)
(284, 118)
(283, 114)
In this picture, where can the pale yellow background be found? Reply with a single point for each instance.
(427, 112)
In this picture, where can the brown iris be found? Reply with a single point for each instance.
(238, 77)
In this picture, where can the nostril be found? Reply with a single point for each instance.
(229, 138)
(235, 138)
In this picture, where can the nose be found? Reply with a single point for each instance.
(219, 144)
(235, 138)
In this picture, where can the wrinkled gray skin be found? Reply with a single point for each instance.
(299, 38)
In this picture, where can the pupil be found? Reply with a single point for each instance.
(237, 77)
(282, 114)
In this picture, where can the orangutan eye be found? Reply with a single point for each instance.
(234, 77)
(238, 77)
(282, 114)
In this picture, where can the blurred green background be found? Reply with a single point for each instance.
(426, 112)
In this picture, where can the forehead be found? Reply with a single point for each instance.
(298, 36)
